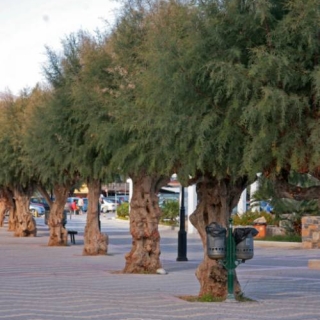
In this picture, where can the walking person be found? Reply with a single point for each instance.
(74, 208)
(80, 205)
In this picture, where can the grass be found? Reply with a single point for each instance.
(204, 298)
(284, 238)
(123, 218)
(242, 298)
(210, 298)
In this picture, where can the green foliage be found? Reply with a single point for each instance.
(203, 298)
(123, 210)
(225, 88)
(289, 211)
(282, 238)
(285, 76)
(292, 223)
(170, 212)
(209, 298)
(248, 217)
(142, 146)
(16, 167)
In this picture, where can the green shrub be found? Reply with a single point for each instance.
(123, 210)
(285, 238)
(170, 212)
(248, 217)
(292, 223)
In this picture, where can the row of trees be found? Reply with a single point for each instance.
(213, 90)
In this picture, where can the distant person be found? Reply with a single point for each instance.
(80, 205)
(74, 207)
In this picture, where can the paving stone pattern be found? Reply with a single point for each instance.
(39, 282)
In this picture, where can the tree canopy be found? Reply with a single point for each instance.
(215, 90)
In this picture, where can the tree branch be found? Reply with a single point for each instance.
(284, 189)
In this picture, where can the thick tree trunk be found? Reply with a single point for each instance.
(216, 198)
(13, 219)
(58, 232)
(26, 225)
(3, 210)
(6, 203)
(95, 242)
(144, 219)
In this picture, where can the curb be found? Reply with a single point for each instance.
(279, 244)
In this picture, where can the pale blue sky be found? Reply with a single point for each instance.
(26, 26)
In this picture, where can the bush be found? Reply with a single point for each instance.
(170, 212)
(285, 238)
(292, 223)
(248, 217)
(123, 210)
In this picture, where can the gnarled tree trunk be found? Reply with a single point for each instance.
(6, 203)
(216, 198)
(13, 219)
(26, 225)
(95, 242)
(3, 210)
(144, 219)
(56, 223)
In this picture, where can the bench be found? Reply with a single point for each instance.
(72, 233)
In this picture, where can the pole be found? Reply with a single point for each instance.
(99, 207)
(99, 222)
(182, 234)
(231, 262)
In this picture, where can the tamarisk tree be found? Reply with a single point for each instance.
(18, 176)
(139, 153)
(283, 113)
(197, 85)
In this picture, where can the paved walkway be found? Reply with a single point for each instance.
(39, 282)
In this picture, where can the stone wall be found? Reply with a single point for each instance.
(310, 232)
(275, 231)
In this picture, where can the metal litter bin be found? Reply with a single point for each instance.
(216, 241)
(243, 238)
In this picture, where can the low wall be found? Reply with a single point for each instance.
(310, 232)
(275, 231)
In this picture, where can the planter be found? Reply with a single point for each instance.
(262, 229)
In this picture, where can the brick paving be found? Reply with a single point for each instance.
(39, 282)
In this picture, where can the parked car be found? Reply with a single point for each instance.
(36, 210)
(122, 198)
(112, 199)
(107, 205)
(85, 205)
(40, 201)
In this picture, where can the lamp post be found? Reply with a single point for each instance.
(99, 208)
(99, 222)
(182, 234)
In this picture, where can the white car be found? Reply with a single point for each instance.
(107, 205)
(36, 210)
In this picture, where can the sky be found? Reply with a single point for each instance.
(26, 26)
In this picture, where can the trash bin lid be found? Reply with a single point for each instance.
(242, 233)
(215, 230)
